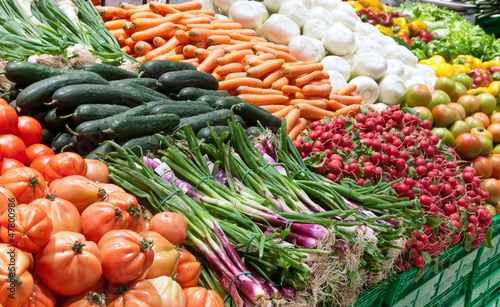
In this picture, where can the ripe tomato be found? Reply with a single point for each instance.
(36, 150)
(495, 131)
(444, 115)
(63, 165)
(13, 147)
(189, 270)
(459, 109)
(166, 257)
(29, 130)
(138, 293)
(468, 146)
(97, 171)
(41, 296)
(27, 227)
(129, 204)
(8, 164)
(110, 187)
(495, 118)
(39, 164)
(495, 165)
(25, 183)
(3, 101)
(23, 287)
(7, 200)
(483, 167)
(482, 118)
(492, 186)
(170, 291)
(78, 190)
(201, 297)
(64, 215)
(126, 255)
(8, 118)
(470, 103)
(172, 226)
(87, 299)
(69, 264)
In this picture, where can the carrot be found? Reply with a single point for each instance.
(268, 66)
(216, 76)
(115, 24)
(195, 13)
(142, 24)
(201, 54)
(199, 26)
(130, 43)
(256, 91)
(128, 6)
(290, 89)
(126, 50)
(197, 35)
(235, 75)
(317, 90)
(234, 56)
(295, 71)
(179, 49)
(233, 84)
(315, 103)
(242, 46)
(334, 105)
(218, 40)
(254, 63)
(179, 27)
(285, 56)
(170, 57)
(196, 20)
(297, 128)
(291, 119)
(193, 61)
(107, 12)
(215, 47)
(222, 21)
(283, 112)
(347, 90)
(347, 100)
(273, 108)
(157, 7)
(248, 32)
(263, 57)
(187, 6)
(146, 15)
(161, 30)
(142, 47)
(141, 59)
(188, 51)
(122, 38)
(158, 42)
(117, 33)
(246, 38)
(227, 26)
(209, 62)
(170, 45)
(121, 13)
(273, 46)
(230, 68)
(278, 84)
(273, 77)
(303, 79)
(319, 82)
(352, 110)
(202, 44)
(261, 100)
(182, 37)
(311, 112)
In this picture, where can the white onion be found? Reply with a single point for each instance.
(279, 29)
(296, 11)
(391, 90)
(225, 5)
(338, 64)
(273, 6)
(250, 14)
(339, 16)
(307, 49)
(321, 13)
(339, 40)
(367, 88)
(314, 28)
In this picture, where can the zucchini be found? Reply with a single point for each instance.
(215, 118)
(142, 145)
(193, 93)
(143, 90)
(226, 103)
(123, 128)
(61, 140)
(205, 134)
(253, 114)
(35, 95)
(174, 81)
(104, 149)
(26, 73)
(152, 104)
(70, 97)
(53, 119)
(108, 72)
(48, 135)
(86, 112)
(156, 68)
(180, 110)
(147, 82)
(208, 99)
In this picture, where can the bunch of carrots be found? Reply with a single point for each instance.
(250, 67)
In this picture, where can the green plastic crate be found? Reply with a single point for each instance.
(488, 259)
(496, 299)
(372, 297)
(459, 302)
(449, 296)
(485, 291)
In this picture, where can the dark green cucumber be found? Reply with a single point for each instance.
(147, 82)
(208, 99)
(14, 105)
(227, 102)
(186, 104)
(86, 112)
(104, 149)
(181, 110)
(15, 89)
(53, 119)
(193, 93)
(82, 148)
(143, 90)
(156, 68)
(216, 118)
(35, 95)
(48, 135)
(123, 128)
(39, 115)
(70, 97)
(239, 120)
(108, 72)
(174, 81)
(253, 131)
(253, 114)
(142, 145)
(61, 140)
(26, 73)
(206, 135)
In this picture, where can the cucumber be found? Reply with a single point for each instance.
(143, 90)
(180, 110)
(108, 72)
(216, 118)
(226, 103)
(35, 95)
(70, 97)
(208, 99)
(86, 112)
(123, 128)
(61, 140)
(14, 105)
(39, 115)
(239, 120)
(104, 149)
(174, 81)
(253, 114)
(26, 73)
(92, 131)
(193, 93)
(53, 119)
(81, 148)
(253, 131)
(147, 82)
(142, 145)
(156, 68)
(152, 104)
(48, 135)
(205, 134)
(15, 89)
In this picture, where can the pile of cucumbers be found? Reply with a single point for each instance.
(81, 109)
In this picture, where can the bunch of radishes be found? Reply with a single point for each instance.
(391, 145)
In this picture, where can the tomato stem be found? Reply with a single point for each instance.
(102, 193)
(33, 182)
(146, 245)
(78, 247)
(50, 197)
(134, 211)
(122, 290)
(96, 298)
(118, 214)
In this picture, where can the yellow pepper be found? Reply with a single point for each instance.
(476, 91)
(384, 30)
(460, 69)
(444, 70)
(364, 3)
(490, 64)
(355, 5)
(400, 27)
(433, 60)
(494, 88)
(375, 9)
(470, 61)
(387, 8)
(417, 25)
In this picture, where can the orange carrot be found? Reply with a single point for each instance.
(222, 21)
(157, 7)
(352, 110)
(209, 62)
(299, 95)
(233, 57)
(128, 6)
(229, 68)
(196, 20)
(146, 15)
(122, 38)
(278, 84)
(196, 13)
(242, 46)
(121, 13)
(197, 35)
(317, 90)
(126, 50)
(202, 44)
(115, 24)
(170, 45)
(263, 57)
(290, 89)
(142, 47)
(218, 40)
(303, 79)
(347, 100)
(248, 32)
(199, 26)
(236, 42)
(142, 24)
(193, 61)
(256, 91)
(233, 84)
(201, 54)
(347, 90)
(261, 100)
(273, 77)
(254, 63)
(273, 108)
(311, 112)
(188, 51)
(235, 75)
(179, 49)
(227, 26)
(291, 119)
(117, 33)
(315, 103)
(160, 30)
(282, 113)
(130, 43)
(239, 36)
(159, 41)
(216, 76)
(298, 128)
(171, 57)
(182, 37)
(319, 82)
(107, 12)
(273, 46)
(334, 105)
(268, 66)
(295, 71)
(187, 6)
(141, 59)
(214, 47)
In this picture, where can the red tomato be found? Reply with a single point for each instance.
(170, 291)
(468, 146)
(495, 165)
(13, 148)
(493, 187)
(25, 183)
(78, 190)
(126, 255)
(170, 225)
(41, 296)
(97, 171)
(86, 299)
(3, 102)
(166, 256)
(201, 297)
(63, 165)
(110, 188)
(138, 293)
(39, 164)
(480, 116)
(64, 215)
(29, 130)
(495, 118)
(128, 203)
(189, 270)
(36, 150)
(7, 200)
(483, 167)
(27, 227)
(8, 118)
(69, 264)
(24, 287)
(9, 164)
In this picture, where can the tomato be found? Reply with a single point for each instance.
(470, 103)
(464, 79)
(201, 297)
(36, 150)
(481, 131)
(424, 114)
(496, 149)
(41, 296)
(445, 135)
(126, 255)
(79, 191)
(468, 146)
(486, 145)
(25, 183)
(129, 205)
(170, 291)
(495, 131)
(138, 293)
(474, 122)
(172, 226)
(166, 257)
(27, 227)
(8, 118)
(417, 95)
(482, 166)
(492, 186)
(189, 270)
(32, 262)
(69, 264)
(444, 115)
(438, 97)
(446, 85)
(495, 118)
(7, 200)
(110, 187)
(460, 90)
(39, 164)
(3, 101)
(459, 127)
(480, 116)
(64, 215)
(29, 130)
(63, 165)
(487, 103)
(87, 299)
(8, 164)
(97, 171)
(495, 165)
(14, 261)
(458, 108)
(13, 147)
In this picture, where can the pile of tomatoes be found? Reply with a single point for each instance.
(69, 237)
